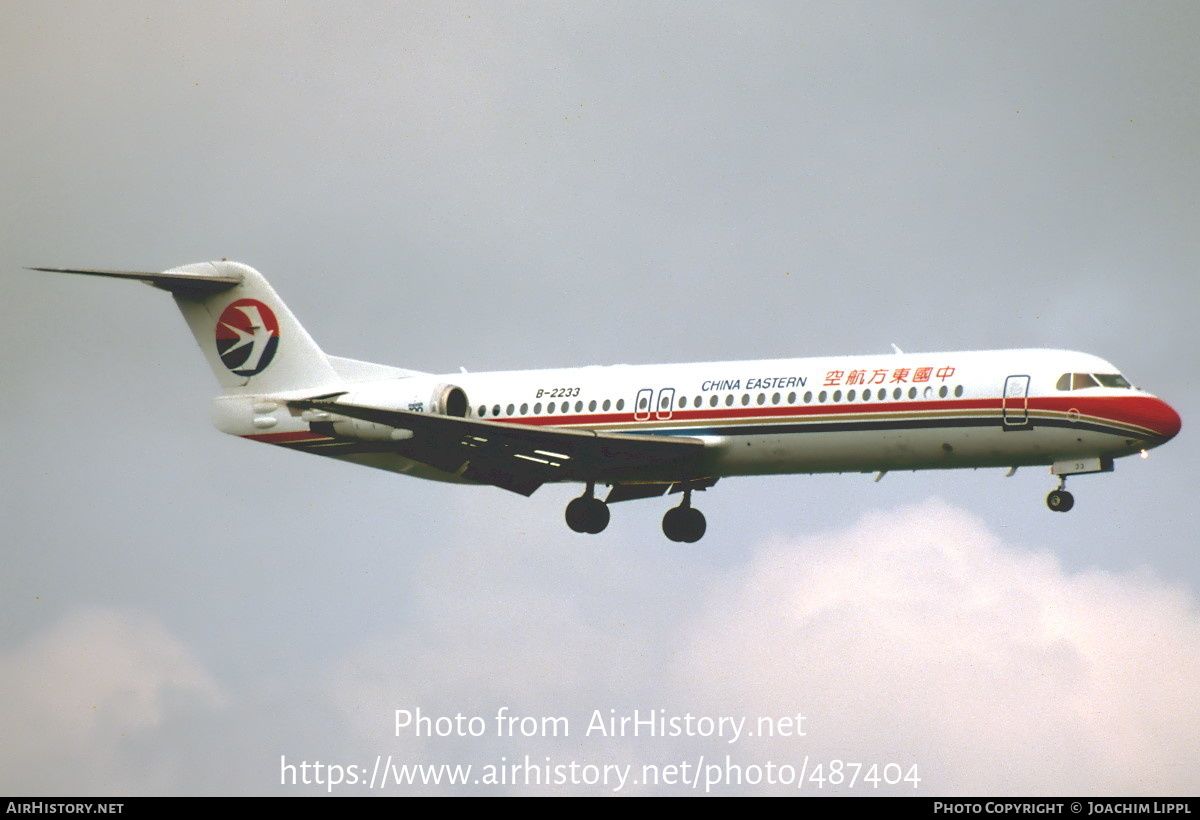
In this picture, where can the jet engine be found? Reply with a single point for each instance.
(447, 400)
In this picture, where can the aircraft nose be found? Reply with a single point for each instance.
(1164, 421)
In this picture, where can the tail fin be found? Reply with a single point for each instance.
(252, 341)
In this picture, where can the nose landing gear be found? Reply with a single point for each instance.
(684, 523)
(1060, 500)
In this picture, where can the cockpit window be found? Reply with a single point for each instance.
(1113, 380)
(1079, 381)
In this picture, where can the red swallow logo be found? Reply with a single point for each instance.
(247, 336)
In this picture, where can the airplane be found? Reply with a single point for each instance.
(647, 431)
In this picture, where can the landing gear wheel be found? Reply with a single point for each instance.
(684, 524)
(598, 516)
(1060, 500)
(671, 526)
(587, 514)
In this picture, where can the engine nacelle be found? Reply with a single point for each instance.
(447, 400)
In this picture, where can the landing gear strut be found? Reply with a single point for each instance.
(587, 513)
(1060, 500)
(684, 523)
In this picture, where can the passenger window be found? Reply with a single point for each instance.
(912, 392)
(509, 410)
(837, 395)
(607, 404)
(791, 398)
(822, 396)
(943, 391)
(808, 397)
(775, 399)
(712, 401)
(578, 407)
(729, 400)
(496, 410)
(850, 396)
(958, 391)
(537, 409)
(482, 411)
(762, 398)
(620, 404)
(524, 409)
(592, 406)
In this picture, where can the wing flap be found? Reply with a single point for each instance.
(518, 457)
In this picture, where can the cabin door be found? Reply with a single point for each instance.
(1016, 401)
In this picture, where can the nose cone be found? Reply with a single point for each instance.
(1164, 421)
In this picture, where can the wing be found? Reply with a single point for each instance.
(520, 457)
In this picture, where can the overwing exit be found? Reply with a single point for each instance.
(650, 430)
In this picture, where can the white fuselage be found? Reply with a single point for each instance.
(832, 414)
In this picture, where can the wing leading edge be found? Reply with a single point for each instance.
(518, 457)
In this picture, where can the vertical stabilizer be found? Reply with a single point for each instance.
(252, 341)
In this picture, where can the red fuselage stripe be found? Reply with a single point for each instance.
(1142, 411)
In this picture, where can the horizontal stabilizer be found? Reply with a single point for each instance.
(181, 283)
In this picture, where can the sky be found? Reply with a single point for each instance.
(522, 185)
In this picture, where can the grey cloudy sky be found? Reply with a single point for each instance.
(502, 186)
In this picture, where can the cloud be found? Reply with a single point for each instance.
(87, 703)
(911, 636)
(917, 635)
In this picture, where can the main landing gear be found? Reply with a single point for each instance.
(587, 513)
(1060, 500)
(684, 523)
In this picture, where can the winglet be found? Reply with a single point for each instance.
(180, 283)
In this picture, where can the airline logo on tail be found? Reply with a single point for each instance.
(247, 337)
